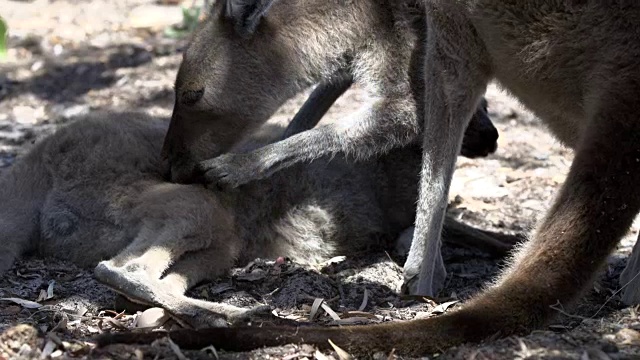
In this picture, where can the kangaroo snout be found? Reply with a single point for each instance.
(180, 170)
(191, 97)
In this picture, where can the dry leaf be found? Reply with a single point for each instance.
(48, 349)
(212, 349)
(365, 300)
(330, 311)
(41, 296)
(293, 356)
(334, 260)
(343, 355)
(176, 349)
(442, 308)
(80, 310)
(139, 354)
(315, 307)
(320, 356)
(351, 321)
(24, 303)
(50, 290)
(392, 354)
(349, 314)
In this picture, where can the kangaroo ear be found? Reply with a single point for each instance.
(246, 14)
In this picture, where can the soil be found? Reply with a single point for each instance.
(70, 57)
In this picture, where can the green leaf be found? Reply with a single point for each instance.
(190, 16)
(3, 38)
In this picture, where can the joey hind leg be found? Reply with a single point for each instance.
(150, 254)
(199, 222)
(493, 243)
(138, 280)
(453, 89)
(630, 277)
(455, 232)
(153, 250)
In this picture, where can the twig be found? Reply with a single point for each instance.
(615, 293)
(558, 306)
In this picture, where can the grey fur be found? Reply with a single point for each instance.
(575, 65)
(93, 193)
(297, 43)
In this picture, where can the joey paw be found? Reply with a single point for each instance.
(227, 171)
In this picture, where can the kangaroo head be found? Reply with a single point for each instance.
(241, 64)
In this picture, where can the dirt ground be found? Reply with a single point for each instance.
(71, 57)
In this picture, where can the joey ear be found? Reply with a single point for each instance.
(246, 14)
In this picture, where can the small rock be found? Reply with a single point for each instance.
(58, 49)
(37, 65)
(76, 110)
(535, 205)
(27, 115)
(101, 41)
(558, 179)
(381, 356)
(152, 317)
